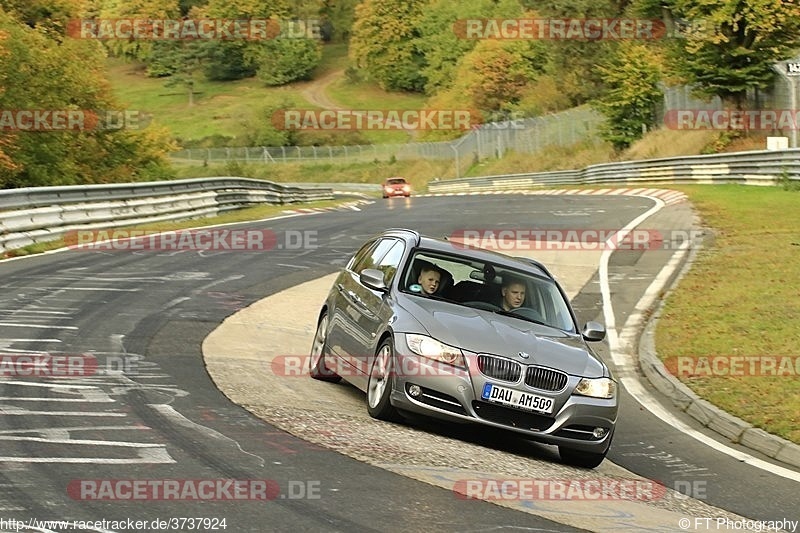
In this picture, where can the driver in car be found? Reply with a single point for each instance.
(513, 292)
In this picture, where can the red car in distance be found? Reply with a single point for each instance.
(396, 187)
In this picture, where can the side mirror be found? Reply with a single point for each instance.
(594, 331)
(373, 278)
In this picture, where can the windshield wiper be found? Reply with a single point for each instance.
(522, 317)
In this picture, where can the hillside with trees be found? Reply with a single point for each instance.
(416, 47)
(41, 70)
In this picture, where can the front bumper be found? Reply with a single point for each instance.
(449, 393)
(395, 192)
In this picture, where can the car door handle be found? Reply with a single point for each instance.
(353, 296)
(349, 294)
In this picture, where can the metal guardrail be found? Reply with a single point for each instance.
(40, 214)
(762, 167)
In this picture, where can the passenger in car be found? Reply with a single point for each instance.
(429, 279)
(513, 291)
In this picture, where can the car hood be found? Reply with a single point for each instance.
(481, 331)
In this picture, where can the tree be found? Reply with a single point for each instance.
(632, 94)
(280, 9)
(572, 62)
(281, 61)
(338, 16)
(52, 14)
(384, 43)
(735, 43)
(500, 73)
(276, 61)
(188, 6)
(141, 49)
(491, 80)
(7, 141)
(183, 59)
(227, 60)
(443, 45)
(41, 72)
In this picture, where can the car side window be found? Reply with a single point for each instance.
(360, 254)
(391, 261)
(373, 258)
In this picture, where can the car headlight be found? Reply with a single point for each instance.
(597, 388)
(433, 349)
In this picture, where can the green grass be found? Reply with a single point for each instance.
(368, 95)
(220, 108)
(224, 108)
(742, 298)
(334, 57)
(552, 158)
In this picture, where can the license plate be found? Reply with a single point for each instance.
(516, 398)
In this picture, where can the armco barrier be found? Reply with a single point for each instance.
(40, 214)
(763, 167)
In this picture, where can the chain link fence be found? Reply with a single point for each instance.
(778, 97)
(527, 135)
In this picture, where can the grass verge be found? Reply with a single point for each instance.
(742, 298)
(417, 172)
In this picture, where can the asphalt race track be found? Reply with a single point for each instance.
(148, 412)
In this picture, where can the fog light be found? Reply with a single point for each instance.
(414, 390)
(599, 433)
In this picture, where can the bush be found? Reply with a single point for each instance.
(281, 61)
(226, 61)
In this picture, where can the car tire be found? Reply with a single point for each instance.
(581, 458)
(317, 368)
(379, 386)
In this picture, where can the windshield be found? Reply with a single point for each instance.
(488, 287)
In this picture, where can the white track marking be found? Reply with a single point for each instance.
(37, 326)
(624, 360)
